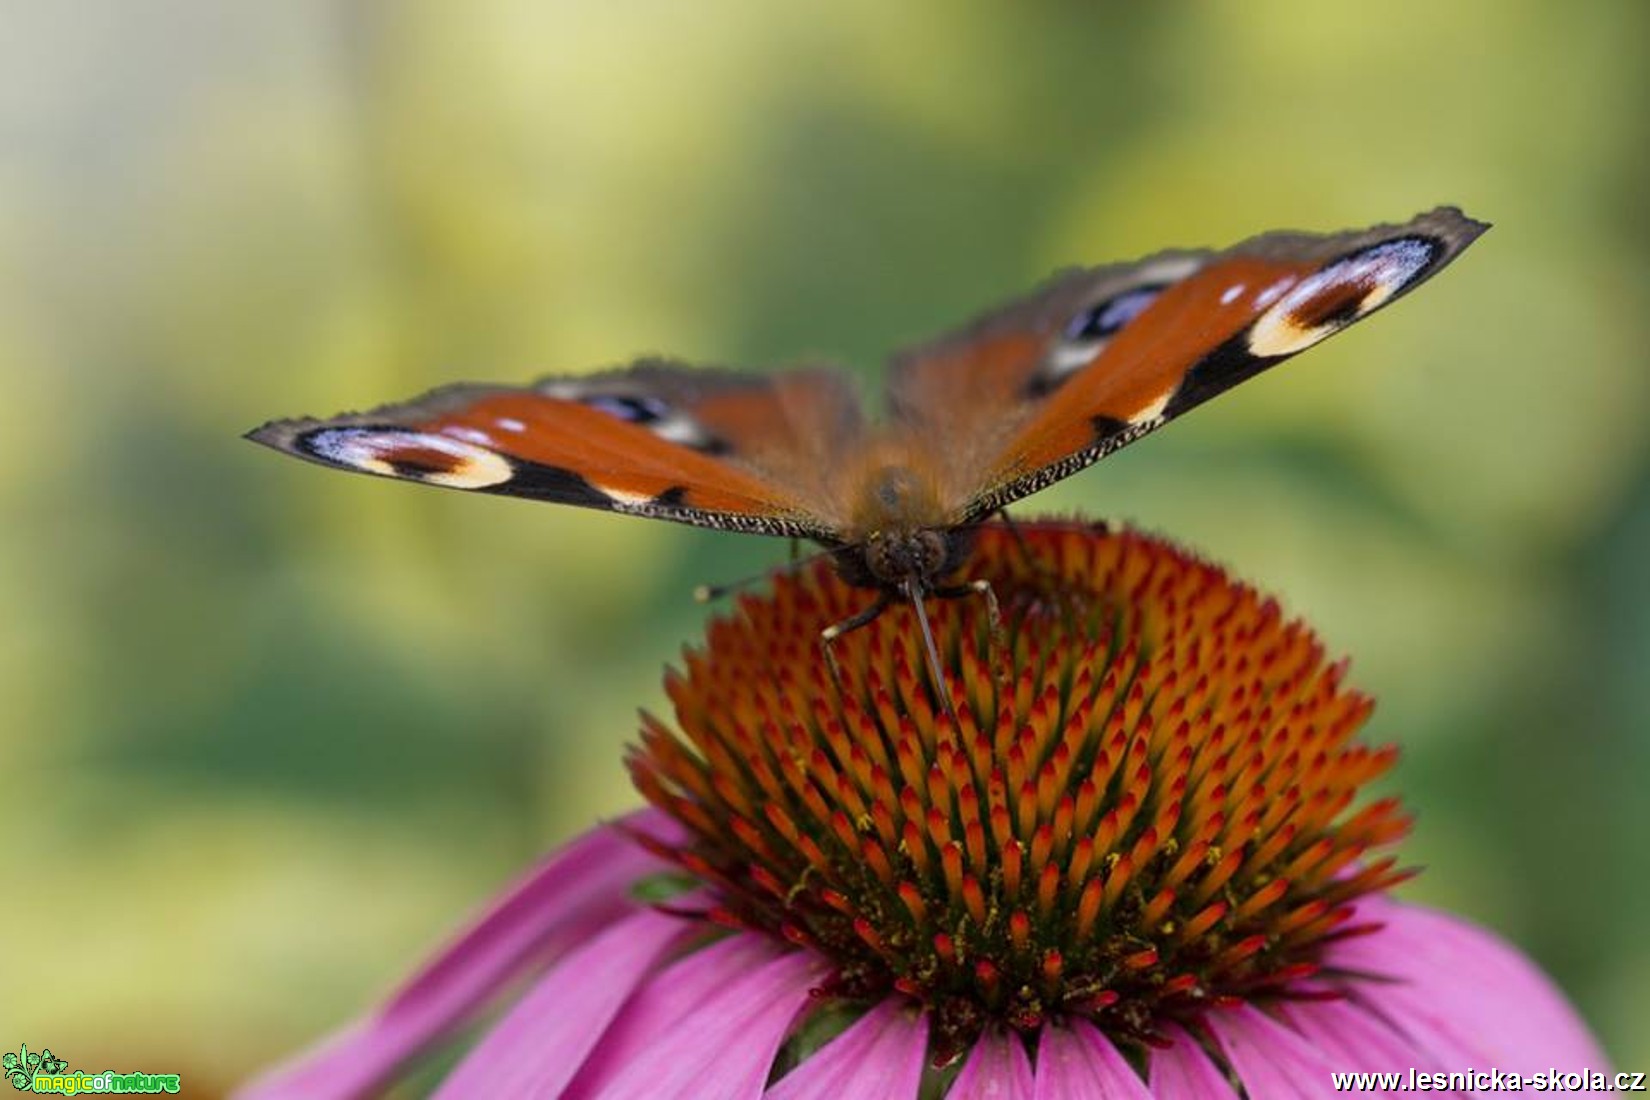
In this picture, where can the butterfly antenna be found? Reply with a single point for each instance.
(707, 593)
(940, 687)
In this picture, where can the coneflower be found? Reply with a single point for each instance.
(1135, 863)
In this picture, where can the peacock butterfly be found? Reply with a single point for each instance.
(1023, 397)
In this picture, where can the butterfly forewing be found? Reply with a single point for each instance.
(714, 448)
(1038, 390)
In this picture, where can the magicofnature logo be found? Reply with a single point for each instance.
(45, 1072)
(21, 1067)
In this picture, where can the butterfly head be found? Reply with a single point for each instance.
(904, 560)
(899, 536)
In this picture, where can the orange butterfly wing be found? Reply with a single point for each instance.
(1101, 358)
(712, 448)
(968, 396)
(1026, 396)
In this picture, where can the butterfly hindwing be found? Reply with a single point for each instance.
(1015, 357)
(713, 448)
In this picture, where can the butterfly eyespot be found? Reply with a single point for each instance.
(645, 411)
(1346, 291)
(636, 410)
(1108, 317)
(418, 456)
(1086, 333)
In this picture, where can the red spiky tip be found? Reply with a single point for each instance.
(1147, 801)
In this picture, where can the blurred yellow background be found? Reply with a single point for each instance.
(270, 732)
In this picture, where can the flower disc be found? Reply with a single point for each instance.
(1147, 800)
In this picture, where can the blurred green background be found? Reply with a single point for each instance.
(269, 732)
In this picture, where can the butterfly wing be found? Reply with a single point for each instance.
(713, 448)
(1099, 358)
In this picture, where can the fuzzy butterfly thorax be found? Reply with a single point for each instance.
(1025, 396)
(897, 530)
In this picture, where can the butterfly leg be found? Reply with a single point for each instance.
(992, 607)
(828, 636)
(994, 612)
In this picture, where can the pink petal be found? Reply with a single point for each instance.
(576, 890)
(1270, 1059)
(722, 1049)
(997, 1069)
(540, 1043)
(1185, 1072)
(664, 1000)
(1464, 995)
(1355, 1039)
(1076, 1060)
(879, 1058)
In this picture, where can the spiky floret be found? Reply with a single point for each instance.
(1146, 803)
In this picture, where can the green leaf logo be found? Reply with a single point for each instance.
(20, 1068)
